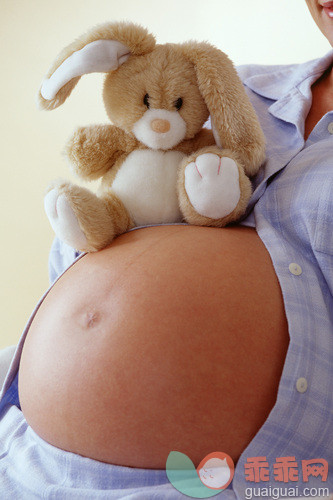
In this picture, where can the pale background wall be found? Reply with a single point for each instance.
(31, 34)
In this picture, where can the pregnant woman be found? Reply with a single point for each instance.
(191, 338)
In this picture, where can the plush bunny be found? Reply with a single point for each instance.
(156, 162)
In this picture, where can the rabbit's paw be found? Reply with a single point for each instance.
(80, 148)
(63, 219)
(212, 185)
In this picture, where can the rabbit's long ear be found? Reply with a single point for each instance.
(102, 49)
(234, 122)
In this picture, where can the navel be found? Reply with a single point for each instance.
(91, 319)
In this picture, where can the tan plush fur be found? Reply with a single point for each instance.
(93, 150)
(233, 115)
(206, 81)
(136, 38)
(170, 76)
(101, 218)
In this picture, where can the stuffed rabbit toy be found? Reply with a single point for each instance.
(156, 162)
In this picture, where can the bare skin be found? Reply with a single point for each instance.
(173, 338)
(322, 101)
(322, 89)
(321, 18)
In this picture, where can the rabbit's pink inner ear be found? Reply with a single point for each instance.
(100, 56)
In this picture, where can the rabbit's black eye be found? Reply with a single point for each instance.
(146, 100)
(178, 103)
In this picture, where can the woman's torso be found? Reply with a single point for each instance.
(185, 337)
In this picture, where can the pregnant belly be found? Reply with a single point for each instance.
(173, 338)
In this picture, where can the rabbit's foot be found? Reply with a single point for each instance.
(212, 185)
(63, 219)
(216, 187)
(83, 220)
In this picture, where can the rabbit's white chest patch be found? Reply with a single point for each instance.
(146, 184)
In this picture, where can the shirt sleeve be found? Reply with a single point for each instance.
(60, 258)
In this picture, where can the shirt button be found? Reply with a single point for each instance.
(295, 269)
(301, 384)
(330, 128)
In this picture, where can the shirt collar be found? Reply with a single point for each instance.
(279, 83)
(290, 89)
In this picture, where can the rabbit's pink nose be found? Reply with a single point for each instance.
(160, 126)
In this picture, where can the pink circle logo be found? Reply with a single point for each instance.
(216, 470)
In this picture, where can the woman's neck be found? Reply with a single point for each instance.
(330, 77)
(322, 101)
(327, 80)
